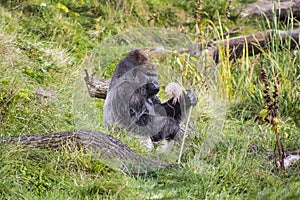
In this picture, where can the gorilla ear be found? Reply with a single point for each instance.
(139, 56)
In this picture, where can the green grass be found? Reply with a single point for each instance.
(48, 46)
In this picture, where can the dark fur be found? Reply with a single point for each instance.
(134, 84)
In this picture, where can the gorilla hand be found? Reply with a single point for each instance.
(190, 98)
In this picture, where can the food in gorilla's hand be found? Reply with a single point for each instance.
(174, 90)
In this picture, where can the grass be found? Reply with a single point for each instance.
(46, 44)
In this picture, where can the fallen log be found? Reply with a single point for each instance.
(112, 151)
(268, 8)
(253, 44)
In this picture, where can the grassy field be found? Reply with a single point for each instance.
(44, 47)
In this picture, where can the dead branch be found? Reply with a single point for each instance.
(97, 87)
(253, 44)
(266, 8)
(112, 151)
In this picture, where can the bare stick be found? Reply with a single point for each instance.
(184, 136)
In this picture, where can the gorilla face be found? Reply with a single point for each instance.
(152, 88)
(146, 79)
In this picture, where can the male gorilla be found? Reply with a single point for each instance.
(132, 104)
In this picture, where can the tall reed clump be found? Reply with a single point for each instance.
(269, 114)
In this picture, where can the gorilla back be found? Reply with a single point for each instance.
(132, 104)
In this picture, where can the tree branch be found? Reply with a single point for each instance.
(266, 8)
(254, 44)
(97, 87)
(112, 151)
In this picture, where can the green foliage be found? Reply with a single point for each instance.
(43, 45)
(34, 173)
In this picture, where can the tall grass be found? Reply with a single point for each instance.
(46, 46)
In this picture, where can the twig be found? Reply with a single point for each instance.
(184, 136)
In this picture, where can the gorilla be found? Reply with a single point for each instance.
(132, 104)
